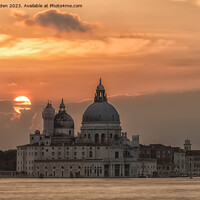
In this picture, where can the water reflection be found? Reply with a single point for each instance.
(89, 189)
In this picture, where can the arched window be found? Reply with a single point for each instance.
(103, 138)
(116, 154)
(96, 138)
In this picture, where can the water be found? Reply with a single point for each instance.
(100, 189)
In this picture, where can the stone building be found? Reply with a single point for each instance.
(170, 160)
(192, 159)
(179, 161)
(100, 149)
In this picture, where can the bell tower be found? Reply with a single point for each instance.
(187, 145)
(48, 116)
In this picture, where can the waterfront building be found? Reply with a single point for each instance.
(100, 149)
(192, 160)
(179, 161)
(170, 160)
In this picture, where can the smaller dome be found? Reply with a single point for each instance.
(37, 132)
(63, 120)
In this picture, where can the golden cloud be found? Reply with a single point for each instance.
(111, 46)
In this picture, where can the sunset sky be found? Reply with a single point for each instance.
(137, 47)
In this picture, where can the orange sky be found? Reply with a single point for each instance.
(136, 46)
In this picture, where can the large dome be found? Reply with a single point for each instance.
(101, 112)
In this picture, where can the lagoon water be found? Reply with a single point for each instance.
(100, 189)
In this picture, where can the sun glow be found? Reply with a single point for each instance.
(21, 103)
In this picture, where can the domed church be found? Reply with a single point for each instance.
(100, 149)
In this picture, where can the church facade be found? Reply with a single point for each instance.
(100, 149)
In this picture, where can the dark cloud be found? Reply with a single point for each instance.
(60, 21)
(15, 128)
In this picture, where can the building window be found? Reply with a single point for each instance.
(75, 153)
(96, 138)
(70, 132)
(111, 136)
(90, 154)
(103, 138)
(88, 135)
(83, 153)
(116, 154)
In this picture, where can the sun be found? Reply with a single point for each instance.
(21, 103)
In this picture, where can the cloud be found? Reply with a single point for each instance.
(195, 2)
(15, 128)
(18, 14)
(13, 84)
(108, 46)
(60, 21)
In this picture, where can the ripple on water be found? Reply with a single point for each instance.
(100, 189)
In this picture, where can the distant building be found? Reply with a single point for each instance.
(100, 149)
(170, 160)
(193, 162)
(192, 159)
(179, 161)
